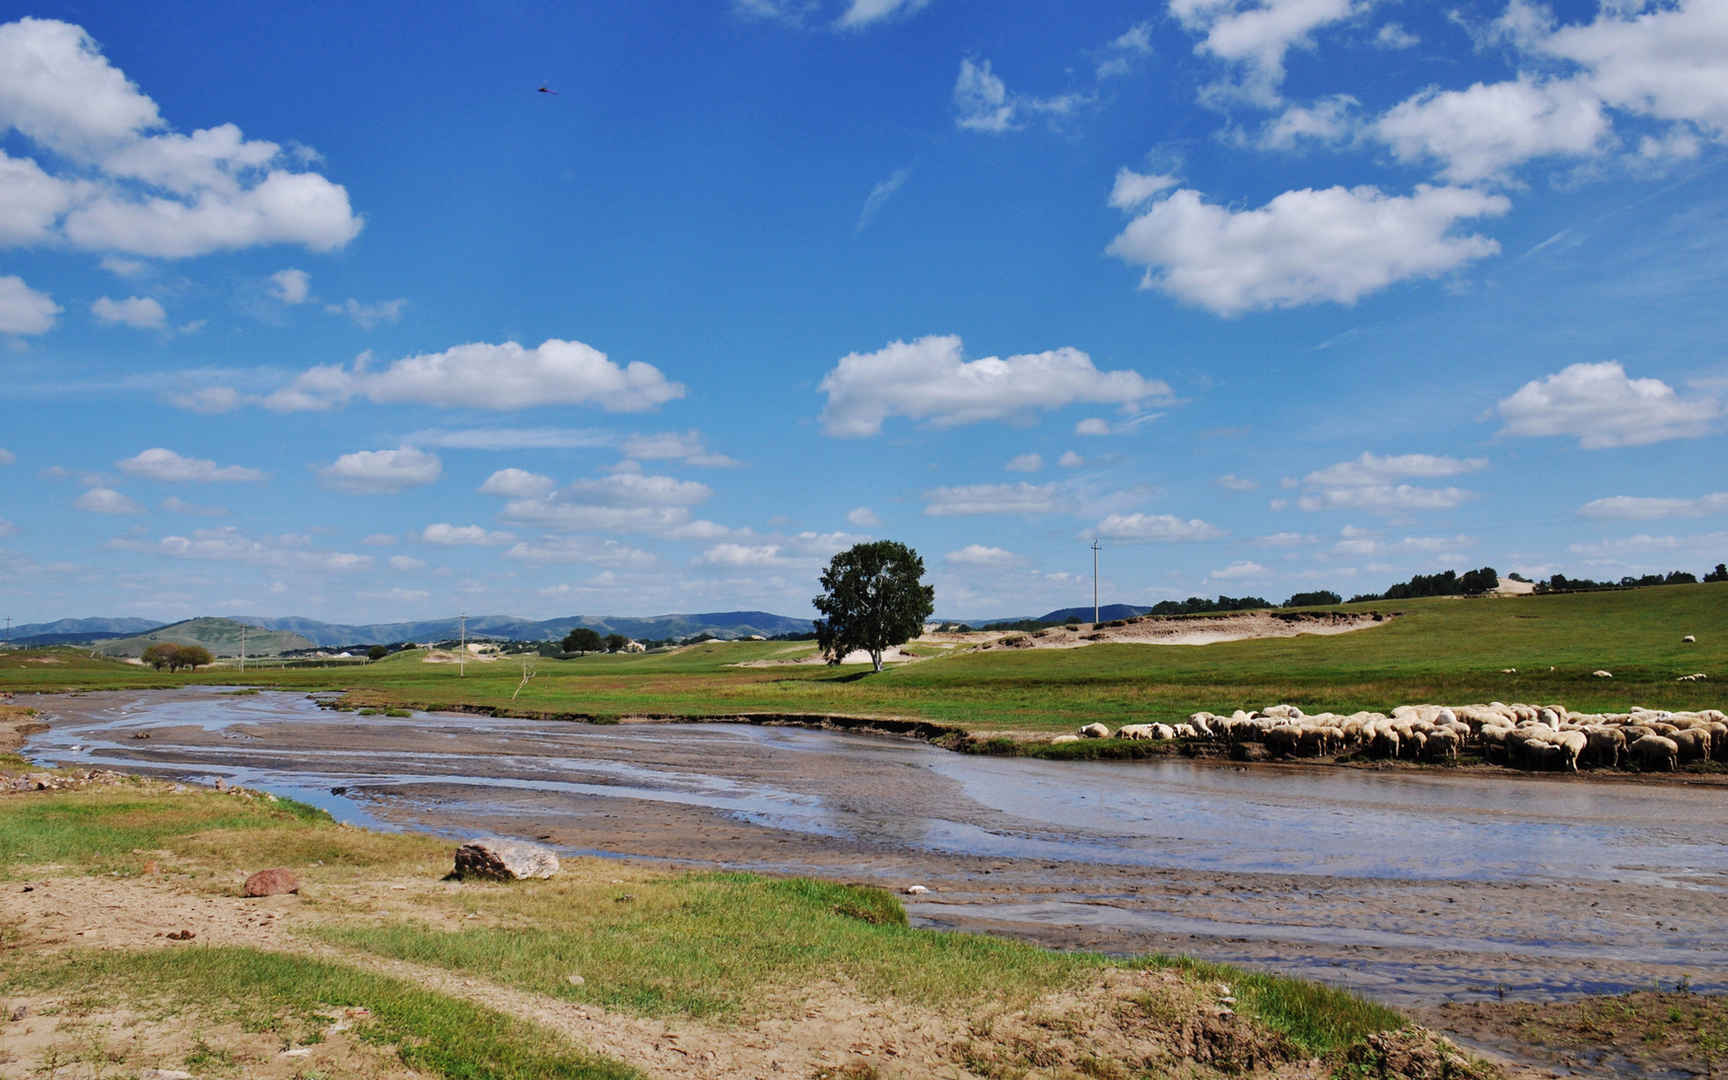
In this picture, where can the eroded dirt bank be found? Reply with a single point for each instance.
(1414, 888)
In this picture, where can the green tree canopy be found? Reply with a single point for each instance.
(377, 652)
(161, 655)
(583, 640)
(616, 642)
(872, 598)
(190, 657)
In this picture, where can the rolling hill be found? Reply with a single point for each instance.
(220, 636)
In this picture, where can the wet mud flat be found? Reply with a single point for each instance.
(1414, 888)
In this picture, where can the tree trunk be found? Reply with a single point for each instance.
(876, 658)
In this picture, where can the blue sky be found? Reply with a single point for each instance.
(331, 312)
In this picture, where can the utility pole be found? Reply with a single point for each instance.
(1094, 581)
(242, 646)
(462, 655)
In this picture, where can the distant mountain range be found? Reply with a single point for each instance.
(724, 624)
(221, 636)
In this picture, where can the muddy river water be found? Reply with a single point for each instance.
(1414, 887)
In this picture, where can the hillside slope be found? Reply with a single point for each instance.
(220, 636)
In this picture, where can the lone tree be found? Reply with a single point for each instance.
(872, 599)
(161, 655)
(616, 642)
(166, 654)
(582, 640)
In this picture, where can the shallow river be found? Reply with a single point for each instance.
(1413, 886)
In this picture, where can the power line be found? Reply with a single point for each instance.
(1094, 581)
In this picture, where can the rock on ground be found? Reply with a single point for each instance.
(273, 882)
(504, 860)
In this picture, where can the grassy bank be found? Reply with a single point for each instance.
(1443, 650)
(709, 953)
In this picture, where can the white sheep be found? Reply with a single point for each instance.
(1095, 731)
(1689, 640)
(1600, 674)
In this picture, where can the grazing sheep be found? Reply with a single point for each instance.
(1134, 731)
(1441, 746)
(1600, 674)
(1654, 753)
(1689, 640)
(1064, 739)
(1282, 741)
(1606, 746)
(1508, 671)
(1185, 731)
(1692, 744)
(1163, 731)
(1571, 744)
(1095, 731)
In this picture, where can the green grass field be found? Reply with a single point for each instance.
(1441, 650)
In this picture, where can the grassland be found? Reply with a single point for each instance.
(702, 958)
(1443, 649)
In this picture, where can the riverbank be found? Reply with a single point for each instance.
(128, 947)
(1413, 887)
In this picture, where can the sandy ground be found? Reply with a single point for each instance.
(1142, 630)
(1189, 629)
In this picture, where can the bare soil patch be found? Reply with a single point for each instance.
(1650, 1034)
(1189, 629)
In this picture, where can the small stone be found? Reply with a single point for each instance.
(151, 868)
(575, 980)
(298, 1051)
(273, 882)
(20, 1013)
(164, 1074)
(181, 935)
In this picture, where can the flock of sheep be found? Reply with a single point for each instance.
(1539, 737)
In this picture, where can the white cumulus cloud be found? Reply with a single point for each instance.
(1644, 508)
(1232, 482)
(1481, 132)
(1135, 528)
(862, 13)
(291, 286)
(970, 499)
(982, 555)
(23, 310)
(1600, 406)
(449, 535)
(982, 101)
(102, 500)
(138, 312)
(158, 463)
(517, 484)
(1025, 463)
(863, 517)
(1241, 570)
(1257, 34)
(1304, 247)
(686, 446)
(382, 471)
(483, 376)
(929, 379)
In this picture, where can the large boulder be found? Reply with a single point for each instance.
(272, 882)
(504, 860)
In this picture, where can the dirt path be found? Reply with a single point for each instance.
(821, 1030)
